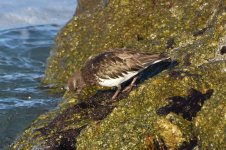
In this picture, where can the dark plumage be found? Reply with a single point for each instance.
(111, 68)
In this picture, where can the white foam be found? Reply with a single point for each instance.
(14, 13)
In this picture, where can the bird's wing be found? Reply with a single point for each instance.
(118, 63)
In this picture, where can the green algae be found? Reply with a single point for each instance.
(198, 32)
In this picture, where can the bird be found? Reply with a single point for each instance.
(112, 68)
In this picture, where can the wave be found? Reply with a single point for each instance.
(35, 12)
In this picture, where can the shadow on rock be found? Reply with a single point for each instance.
(189, 145)
(187, 106)
(155, 69)
(223, 50)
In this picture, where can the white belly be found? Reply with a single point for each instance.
(117, 81)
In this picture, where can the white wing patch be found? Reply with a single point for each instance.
(110, 82)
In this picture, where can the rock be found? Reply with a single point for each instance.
(147, 118)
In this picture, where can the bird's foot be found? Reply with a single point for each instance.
(114, 97)
(116, 93)
(128, 89)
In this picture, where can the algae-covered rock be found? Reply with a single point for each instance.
(177, 105)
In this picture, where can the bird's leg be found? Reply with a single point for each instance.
(129, 87)
(117, 92)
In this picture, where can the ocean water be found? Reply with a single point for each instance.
(27, 32)
(18, 13)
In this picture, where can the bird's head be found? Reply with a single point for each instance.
(75, 83)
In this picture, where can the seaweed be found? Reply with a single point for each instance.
(96, 107)
(65, 140)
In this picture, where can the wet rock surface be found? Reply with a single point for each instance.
(176, 105)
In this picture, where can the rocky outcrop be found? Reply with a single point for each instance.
(177, 105)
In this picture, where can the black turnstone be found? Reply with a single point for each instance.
(112, 68)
